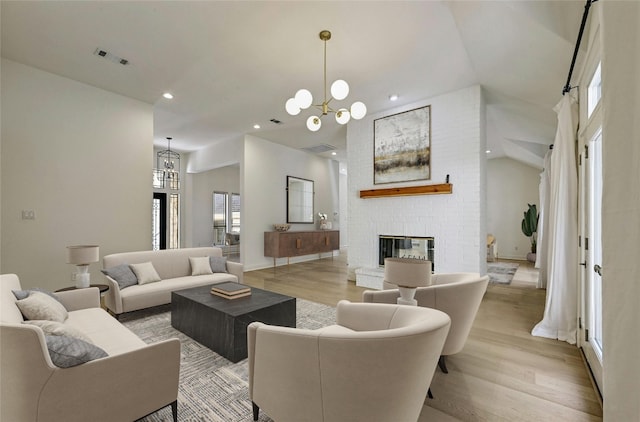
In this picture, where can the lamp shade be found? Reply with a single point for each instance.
(407, 272)
(83, 254)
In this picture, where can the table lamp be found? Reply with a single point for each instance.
(408, 274)
(81, 256)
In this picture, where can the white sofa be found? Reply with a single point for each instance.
(173, 267)
(134, 380)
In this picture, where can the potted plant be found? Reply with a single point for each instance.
(529, 228)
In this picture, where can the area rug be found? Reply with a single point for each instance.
(501, 272)
(212, 388)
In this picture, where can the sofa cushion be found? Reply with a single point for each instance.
(122, 274)
(41, 306)
(23, 294)
(54, 328)
(218, 264)
(67, 351)
(105, 331)
(200, 265)
(154, 294)
(145, 273)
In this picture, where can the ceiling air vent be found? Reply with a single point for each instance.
(317, 149)
(111, 57)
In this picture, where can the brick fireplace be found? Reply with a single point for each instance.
(456, 221)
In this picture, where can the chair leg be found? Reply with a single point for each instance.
(429, 393)
(443, 365)
(256, 411)
(174, 410)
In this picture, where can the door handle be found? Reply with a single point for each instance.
(598, 269)
(584, 264)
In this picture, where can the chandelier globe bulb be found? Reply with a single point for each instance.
(303, 98)
(343, 116)
(292, 107)
(314, 123)
(358, 110)
(339, 89)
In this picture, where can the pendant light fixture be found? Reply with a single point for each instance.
(168, 162)
(339, 91)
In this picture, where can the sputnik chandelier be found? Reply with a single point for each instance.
(339, 91)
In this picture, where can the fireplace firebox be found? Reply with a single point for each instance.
(406, 247)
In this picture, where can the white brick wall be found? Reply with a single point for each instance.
(457, 220)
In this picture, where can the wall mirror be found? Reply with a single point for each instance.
(299, 200)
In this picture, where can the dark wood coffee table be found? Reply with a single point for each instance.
(221, 324)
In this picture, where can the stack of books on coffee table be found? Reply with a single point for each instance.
(230, 290)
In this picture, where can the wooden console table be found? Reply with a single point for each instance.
(296, 243)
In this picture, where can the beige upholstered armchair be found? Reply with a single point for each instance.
(375, 364)
(456, 294)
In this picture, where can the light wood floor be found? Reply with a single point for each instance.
(503, 373)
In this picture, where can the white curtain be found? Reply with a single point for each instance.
(559, 321)
(543, 224)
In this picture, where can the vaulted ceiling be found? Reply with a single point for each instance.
(233, 64)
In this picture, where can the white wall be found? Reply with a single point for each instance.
(224, 179)
(457, 220)
(621, 208)
(81, 158)
(511, 185)
(219, 155)
(344, 209)
(267, 166)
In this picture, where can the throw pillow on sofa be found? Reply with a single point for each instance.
(23, 294)
(218, 264)
(200, 265)
(53, 328)
(66, 351)
(122, 274)
(145, 273)
(41, 306)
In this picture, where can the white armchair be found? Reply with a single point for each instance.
(457, 294)
(376, 364)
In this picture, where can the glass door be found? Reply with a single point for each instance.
(591, 249)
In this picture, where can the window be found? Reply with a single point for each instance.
(174, 221)
(219, 217)
(226, 215)
(235, 213)
(594, 92)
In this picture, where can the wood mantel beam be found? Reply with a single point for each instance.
(439, 189)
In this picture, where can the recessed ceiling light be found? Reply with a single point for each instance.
(256, 126)
(334, 153)
(393, 97)
(488, 151)
(168, 95)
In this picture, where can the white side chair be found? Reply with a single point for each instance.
(375, 364)
(457, 294)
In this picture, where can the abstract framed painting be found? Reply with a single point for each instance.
(402, 147)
